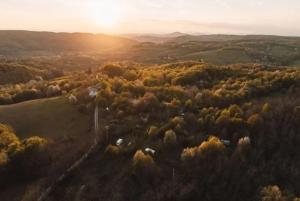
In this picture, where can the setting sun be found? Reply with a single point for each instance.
(106, 13)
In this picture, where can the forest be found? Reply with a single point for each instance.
(184, 129)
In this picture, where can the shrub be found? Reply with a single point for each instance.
(170, 138)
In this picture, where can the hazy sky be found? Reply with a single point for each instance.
(280, 17)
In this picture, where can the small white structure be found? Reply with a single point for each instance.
(226, 142)
(119, 142)
(72, 99)
(93, 91)
(149, 150)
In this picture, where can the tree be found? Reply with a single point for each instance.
(152, 131)
(272, 193)
(112, 150)
(113, 70)
(206, 150)
(170, 138)
(255, 120)
(144, 166)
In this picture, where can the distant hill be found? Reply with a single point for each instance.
(222, 37)
(221, 49)
(44, 43)
(155, 38)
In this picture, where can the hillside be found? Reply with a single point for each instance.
(220, 49)
(22, 43)
(51, 118)
(54, 119)
(183, 126)
(82, 51)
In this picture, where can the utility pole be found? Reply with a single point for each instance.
(173, 177)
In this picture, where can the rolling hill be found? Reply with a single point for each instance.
(56, 120)
(40, 117)
(20, 43)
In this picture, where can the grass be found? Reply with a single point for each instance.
(56, 120)
(50, 118)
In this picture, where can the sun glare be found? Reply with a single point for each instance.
(106, 13)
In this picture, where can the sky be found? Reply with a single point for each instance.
(278, 17)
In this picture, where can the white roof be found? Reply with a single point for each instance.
(152, 151)
(119, 142)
